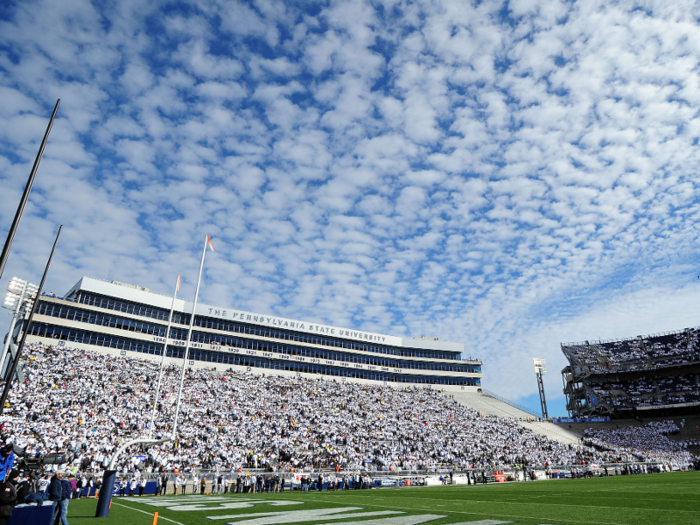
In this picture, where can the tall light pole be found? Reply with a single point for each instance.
(20, 296)
(27, 189)
(30, 317)
(539, 370)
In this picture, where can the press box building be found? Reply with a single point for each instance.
(123, 319)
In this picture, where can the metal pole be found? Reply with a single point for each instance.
(109, 475)
(162, 357)
(8, 383)
(106, 490)
(12, 326)
(189, 335)
(543, 400)
(25, 195)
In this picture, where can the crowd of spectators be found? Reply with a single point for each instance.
(648, 441)
(86, 404)
(648, 391)
(641, 353)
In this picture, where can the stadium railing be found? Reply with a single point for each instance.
(580, 468)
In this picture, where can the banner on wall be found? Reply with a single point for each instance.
(580, 419)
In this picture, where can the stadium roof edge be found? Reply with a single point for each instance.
(143, 295)
(620, 339)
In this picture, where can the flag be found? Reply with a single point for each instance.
(209, 241)
(177, 287)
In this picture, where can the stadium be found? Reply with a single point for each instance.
(128, 320)
(379, 213)
(257, 428)
(655, 375)
(214, 409)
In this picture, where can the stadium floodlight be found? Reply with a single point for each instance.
(539, 364)
(15, 289)
(539, 370)
(19, 291)
(19, 298)
(10, 301)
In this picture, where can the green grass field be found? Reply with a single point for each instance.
(654, 499)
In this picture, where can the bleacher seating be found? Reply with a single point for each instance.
(615, 378)
(644, 392)
(87, 403)
(642, 353)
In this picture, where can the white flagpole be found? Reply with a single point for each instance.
(189, 335)
(162, 358)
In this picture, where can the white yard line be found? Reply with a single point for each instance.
(491, 514)
(149, 513)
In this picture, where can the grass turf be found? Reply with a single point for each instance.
(651, 499)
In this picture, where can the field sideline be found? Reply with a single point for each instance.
(647, 499)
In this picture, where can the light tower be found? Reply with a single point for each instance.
(19, 299)
(539, 370)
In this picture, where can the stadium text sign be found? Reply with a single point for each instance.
(280, 322)
(275, 355)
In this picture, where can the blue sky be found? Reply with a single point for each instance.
(510, 175)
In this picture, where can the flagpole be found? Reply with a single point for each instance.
(189, 335)
(162, 357)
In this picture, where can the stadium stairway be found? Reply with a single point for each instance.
(492, 406)
(552, 431)
(488, 405)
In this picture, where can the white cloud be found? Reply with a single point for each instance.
(432, 170)
(198, 61)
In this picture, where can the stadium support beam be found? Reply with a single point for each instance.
(27, 189)
(567, 396)
(27, 326)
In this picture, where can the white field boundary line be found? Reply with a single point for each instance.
(149, 513)
(492, 515)
(539, 504)
(600, 492)
(412, 509)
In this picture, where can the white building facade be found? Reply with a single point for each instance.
(123, 319)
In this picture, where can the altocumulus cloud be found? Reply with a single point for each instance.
(510, 175)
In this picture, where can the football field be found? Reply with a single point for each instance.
(649, 499)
